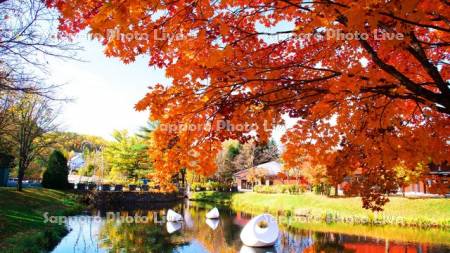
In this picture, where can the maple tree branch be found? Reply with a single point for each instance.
(405, 81)
(418, 52)
(415, 23)
(386, 90)
(326, 2)
(435, 44)
(282, 101)
(296, 5)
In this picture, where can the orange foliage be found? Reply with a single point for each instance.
(378, 101)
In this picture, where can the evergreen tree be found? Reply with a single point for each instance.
(56, 175)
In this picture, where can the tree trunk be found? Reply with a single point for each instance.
(336, 192)
(403, 191)
(20, 177)
(183, 179)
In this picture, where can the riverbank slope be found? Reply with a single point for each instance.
(399, 211)
(22, 227)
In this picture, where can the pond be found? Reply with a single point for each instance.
(144, 230)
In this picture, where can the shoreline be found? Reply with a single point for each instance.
(385, 232)
(310, 208)
(23, 229)
(22, 218)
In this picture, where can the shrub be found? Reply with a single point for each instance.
(322, 188)
(55, 176)
(265, 189)
(291, 189)
(212, 186)
(294, 189)
(197, 186)
(258, 188)
(209, 186)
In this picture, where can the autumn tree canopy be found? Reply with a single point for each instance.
(367, 80)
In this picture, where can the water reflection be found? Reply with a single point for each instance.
(173, 227)
(212, 223)
(246, 249)
(198, 234)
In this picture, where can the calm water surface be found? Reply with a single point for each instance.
(98, 232)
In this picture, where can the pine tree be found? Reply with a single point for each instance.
(56, 175)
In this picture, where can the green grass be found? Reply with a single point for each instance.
(399, 211)
(212, 196)
(22, 227)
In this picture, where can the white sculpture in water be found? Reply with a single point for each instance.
(261, 231)
(173, 226)
(212, 223)
(173, 216)
(213, 213)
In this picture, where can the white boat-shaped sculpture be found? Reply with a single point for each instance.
(212, 223)
(213, 213)
(173, 226)
(173, 216)
(261, 231)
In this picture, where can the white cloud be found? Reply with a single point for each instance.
(98, 107)
(104, 91)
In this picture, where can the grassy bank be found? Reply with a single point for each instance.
(22, 227)
(310, 207)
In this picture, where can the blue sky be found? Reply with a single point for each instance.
(104, 91)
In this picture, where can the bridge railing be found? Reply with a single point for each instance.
(82, 187)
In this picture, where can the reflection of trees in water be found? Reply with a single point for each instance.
(125, 237)
(231, 230)
(294, 240)
(122, 237)
(103, 209)
(139, 237)
(329, 242)
(150, 237)
(225, 238)
(298, 240)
